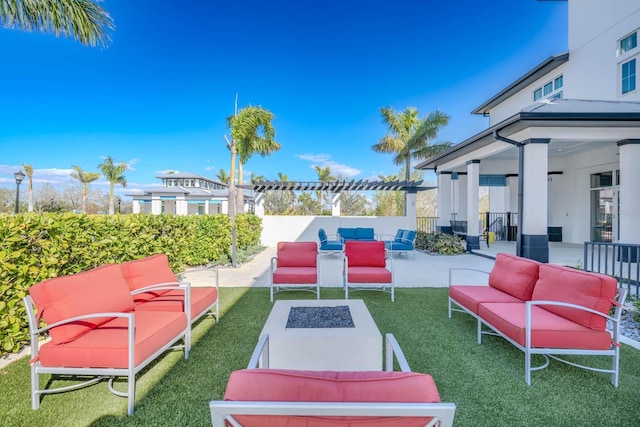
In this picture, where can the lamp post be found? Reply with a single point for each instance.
(19, 177)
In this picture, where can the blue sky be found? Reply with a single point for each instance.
(158, 96)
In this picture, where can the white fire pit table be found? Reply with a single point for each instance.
(357, 348)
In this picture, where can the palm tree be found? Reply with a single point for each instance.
(115, 175)
(255, 177)
(324, 175)
(254, 134)
(28, 170)
(83, 20)
(223, 176)
(85, 179)
(409, 137)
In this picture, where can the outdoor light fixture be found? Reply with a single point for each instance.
(19, 177)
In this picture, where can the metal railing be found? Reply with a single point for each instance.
(619, 260)
(428, 224)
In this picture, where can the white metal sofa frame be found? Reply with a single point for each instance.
(283, 287)
(222, 411)
(100, 374)
(553, 353)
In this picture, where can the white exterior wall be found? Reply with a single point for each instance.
(595, 29)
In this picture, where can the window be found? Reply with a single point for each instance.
(629, 76)
(629, 42)
(551, 89)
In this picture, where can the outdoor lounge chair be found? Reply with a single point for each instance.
(295, 268)
(365, 267)
(326, 245)
(403, 241)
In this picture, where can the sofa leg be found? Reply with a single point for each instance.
(527, 367)
(35, 387)
(131, 396)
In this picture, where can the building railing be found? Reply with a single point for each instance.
(619, 260)
(428, 224)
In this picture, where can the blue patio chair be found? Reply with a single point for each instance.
(403, 241)
(326, 245)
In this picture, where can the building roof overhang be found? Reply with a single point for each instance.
(537, 72)
(563, 113)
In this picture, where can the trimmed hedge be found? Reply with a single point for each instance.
(35, 247)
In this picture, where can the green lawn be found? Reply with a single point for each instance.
(486, 381)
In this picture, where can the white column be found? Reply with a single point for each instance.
(534, 213)
(455, 195)
(629, 201)
(462, 197)
(335, 204)
(206, 206)
(473, 203)
(135, 206)
(444, 200)
(181, 206)
(259, 207)
(156, 205)
(410, 207)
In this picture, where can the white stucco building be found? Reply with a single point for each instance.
(562, 147)
(183, 194)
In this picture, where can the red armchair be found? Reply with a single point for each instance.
(295, 268)
(367, 266)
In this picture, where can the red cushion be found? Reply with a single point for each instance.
(369, 275)
(548, 329)
(106, 345)
(202, 298)
(297, 254)
(100, 290)
(331, 386)
(514, 275)
(470, 296)
(591, 290)
(152, 270)
(371, 254)
(295, 275)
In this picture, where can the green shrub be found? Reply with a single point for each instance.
(35, 247)
(440, 243)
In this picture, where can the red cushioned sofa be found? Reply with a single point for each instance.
(111, 321)
(295, 398)
(545, 309)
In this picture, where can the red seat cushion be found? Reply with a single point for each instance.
(152, 270)
(106, 345)
(514, 275)
(330, 386)
(369, 275)
(471, 297)
(365, 254)
(295, 275)
(100, 290)
(201, 299)
(548, 330)
(297, 254)
(591, 290)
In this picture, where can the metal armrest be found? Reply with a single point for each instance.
(393, 348)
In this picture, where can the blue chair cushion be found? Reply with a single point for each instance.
(322, 235)
(409, 236)
(331, 245)
(365, 233)
(397, 246)
(347, 233)
(399, 233)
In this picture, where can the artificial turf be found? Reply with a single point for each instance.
(486, 382)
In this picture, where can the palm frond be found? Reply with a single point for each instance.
(83, 20)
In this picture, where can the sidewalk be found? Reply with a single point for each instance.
(424, 271)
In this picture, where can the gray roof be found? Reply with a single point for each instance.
(546, 113)
(538, 71)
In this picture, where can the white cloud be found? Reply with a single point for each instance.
(130, 164)
(337, 169)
